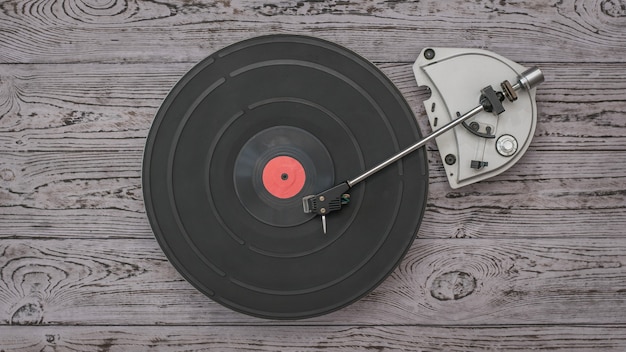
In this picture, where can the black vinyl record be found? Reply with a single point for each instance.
(248, 132)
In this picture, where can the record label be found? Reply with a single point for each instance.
(283, 177)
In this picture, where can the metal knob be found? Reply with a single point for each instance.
(506, 145)
(529, 79)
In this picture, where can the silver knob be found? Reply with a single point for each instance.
(529, 79)
(506, 145)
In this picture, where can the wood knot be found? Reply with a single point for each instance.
(7, 175)
(28, 314)
(452, 286)
(613, 8)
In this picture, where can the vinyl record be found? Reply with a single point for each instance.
(248, 132)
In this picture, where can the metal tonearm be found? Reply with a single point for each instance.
(490, 101)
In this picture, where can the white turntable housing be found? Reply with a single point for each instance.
(487, 144)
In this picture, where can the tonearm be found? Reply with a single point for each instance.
(481, 149)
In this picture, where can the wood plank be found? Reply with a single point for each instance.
(111, 107)
(21, 222)
(73, 180)
(530, 259)
(440, 282)
(98, 194)
(71, 31)
(313, 338)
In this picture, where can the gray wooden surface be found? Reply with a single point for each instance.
(532, 259)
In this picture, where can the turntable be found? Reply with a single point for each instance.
(284, 176)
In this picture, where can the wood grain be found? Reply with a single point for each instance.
(529, 260)
(130, 282)
(558, 194)
(110, 107)
(153, 31)
(314, 338)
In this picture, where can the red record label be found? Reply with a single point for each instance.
(283, 177)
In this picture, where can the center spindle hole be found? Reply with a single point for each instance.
(284, 177)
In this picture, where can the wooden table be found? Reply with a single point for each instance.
(532, 259)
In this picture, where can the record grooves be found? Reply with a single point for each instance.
(248, 132)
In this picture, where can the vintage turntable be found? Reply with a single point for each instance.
(284, 177)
